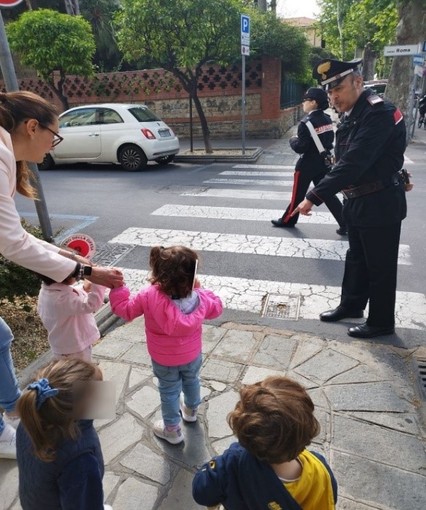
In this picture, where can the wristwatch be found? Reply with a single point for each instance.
(82, 272)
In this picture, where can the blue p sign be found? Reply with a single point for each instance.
(245, 24)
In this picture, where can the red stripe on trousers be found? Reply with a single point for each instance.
(293, 196)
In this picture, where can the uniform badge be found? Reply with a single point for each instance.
(374, 99)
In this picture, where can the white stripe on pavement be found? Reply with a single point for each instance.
(265, 167)
(249, 182)
(237, 213)
(257, 174)
(249, 244)
(282, 196)
(247, 295)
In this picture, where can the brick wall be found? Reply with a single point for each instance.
(219, 90)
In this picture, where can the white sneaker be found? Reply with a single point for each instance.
(188, 414)
(11, 420)
(8, 443)
(174, 436)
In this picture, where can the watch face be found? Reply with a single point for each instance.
(87, 270)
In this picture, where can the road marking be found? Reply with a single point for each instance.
(249, 244)
(237, 213)
(250, 182)
(247, 295)
(257, 174)
(282, 196)
(408, 160)
(265, 167)
(84, 221)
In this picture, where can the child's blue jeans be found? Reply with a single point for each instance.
(171, 382)
(9, 389)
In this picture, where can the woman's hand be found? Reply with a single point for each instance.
(108, 276)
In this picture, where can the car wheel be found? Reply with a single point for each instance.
(165, 160)
(132, 158)
(47, 163)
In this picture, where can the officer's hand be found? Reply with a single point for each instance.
(303, 208)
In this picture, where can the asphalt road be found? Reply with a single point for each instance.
(104, 201)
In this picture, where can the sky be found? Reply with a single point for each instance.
(297, 8)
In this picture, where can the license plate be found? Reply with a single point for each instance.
(164, 133)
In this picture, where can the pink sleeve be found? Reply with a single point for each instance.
(126, 306)
(214, 306)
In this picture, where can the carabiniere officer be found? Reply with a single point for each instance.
(370, 145)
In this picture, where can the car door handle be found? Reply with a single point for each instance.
(94, 134)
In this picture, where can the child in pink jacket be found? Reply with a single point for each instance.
(174, 307)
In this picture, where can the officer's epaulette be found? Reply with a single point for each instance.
(373, 99)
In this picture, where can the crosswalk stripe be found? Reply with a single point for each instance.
(265, 167)
(282, 196)
(247, 173)
(248, 182)
(236, 213)
(247, 295)
(249, 244)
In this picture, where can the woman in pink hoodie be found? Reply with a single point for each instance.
(174, 307)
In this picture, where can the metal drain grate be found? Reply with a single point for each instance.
(421, 363)
(279, 306)
(108, 254)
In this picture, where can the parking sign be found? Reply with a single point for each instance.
(245, 34)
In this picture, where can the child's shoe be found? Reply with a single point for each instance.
(8, 443)
(11, 420)
(172, 435)
(188, 414)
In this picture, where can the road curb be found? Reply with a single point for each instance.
(218, 158)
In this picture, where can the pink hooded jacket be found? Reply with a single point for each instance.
(173, 338)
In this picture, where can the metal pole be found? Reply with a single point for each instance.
(191, 134)
(411, 99)
(9, 76)
(243, 103)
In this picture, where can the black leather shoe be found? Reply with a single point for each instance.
(366, 331)
(340, 313)
(279, 223)
(342, 231)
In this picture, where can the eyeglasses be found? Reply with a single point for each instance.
(57, 138)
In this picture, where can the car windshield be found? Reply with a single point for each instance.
(143, 114)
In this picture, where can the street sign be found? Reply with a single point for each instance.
(418, 60)
(245, 50)
(401, 50)
(245, 30)
(9, 3)
(423, 45)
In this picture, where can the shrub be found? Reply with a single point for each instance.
(16, 281)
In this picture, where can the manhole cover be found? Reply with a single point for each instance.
(279, 306)
(421, 363)
(108, 254)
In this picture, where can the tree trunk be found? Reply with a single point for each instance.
(58, 90)
(368, 62)
(203, 121)
(261, 5)
(411, 29)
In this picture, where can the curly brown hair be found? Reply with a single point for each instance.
(173, 269)
(274, 419)
(57, 417)
(15, 108)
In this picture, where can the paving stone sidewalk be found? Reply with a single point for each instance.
(370, 414)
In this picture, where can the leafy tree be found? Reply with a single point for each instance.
(332, 23)
(183, 35)
(100, 14)
(49, 41)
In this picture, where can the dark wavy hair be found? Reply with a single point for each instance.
(274, 419)
(173, 269)
(15, 108)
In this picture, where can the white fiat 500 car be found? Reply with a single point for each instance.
(126, 134)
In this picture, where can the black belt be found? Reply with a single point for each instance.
(370, 187)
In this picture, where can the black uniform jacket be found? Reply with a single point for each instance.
(311, 163)
(370, 145)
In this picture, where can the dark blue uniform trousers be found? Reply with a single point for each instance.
(370, 272)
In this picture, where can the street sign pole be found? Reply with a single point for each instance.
(9, 76)
(245, 50)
